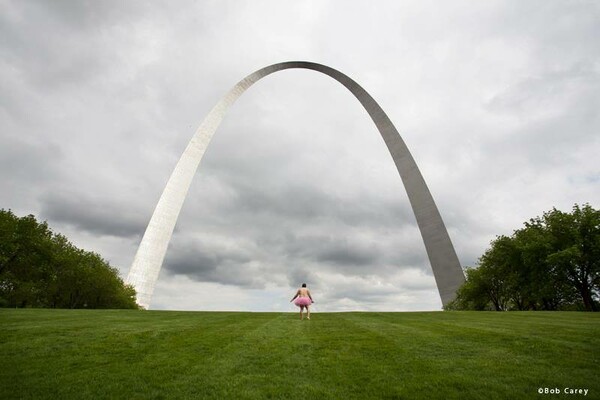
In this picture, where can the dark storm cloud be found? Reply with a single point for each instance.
(296, 275)
(95, 215)
(205, 263)
(250, 262)
(298, 229)
(354, 250)
(290, 243)
(337, 251)
(252, 197)
(342, 253)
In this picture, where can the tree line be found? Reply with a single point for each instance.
(39, 268)
(552, 263)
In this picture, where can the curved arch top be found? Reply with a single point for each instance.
(148, 260)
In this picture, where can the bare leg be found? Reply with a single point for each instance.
(307, 312)
(301, 315)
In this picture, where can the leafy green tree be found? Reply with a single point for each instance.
(550, 264)
(41, 269)
(575, 252)
(476, 293)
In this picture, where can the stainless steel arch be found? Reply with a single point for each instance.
(149, 257)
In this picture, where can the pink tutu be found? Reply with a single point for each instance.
(303, 301)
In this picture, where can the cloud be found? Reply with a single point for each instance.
(497, 102)
(92, 214)
(211, 257)
(23, 159)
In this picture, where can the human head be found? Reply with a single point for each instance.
(304, 285)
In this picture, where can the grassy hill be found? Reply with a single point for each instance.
(87, 354)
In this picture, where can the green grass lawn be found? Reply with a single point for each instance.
(93, 354)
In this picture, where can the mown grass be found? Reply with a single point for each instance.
(87, 354)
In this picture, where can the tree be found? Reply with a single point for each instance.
(552, 263)
(477, 293)
(39, 268)
(575, 252)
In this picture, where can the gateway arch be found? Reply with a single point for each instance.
(149, 257)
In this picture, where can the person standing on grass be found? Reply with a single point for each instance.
(303, 300)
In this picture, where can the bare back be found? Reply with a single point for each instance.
(303, 292)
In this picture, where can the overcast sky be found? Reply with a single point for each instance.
(498, 102)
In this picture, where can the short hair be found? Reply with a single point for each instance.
(304, 285)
